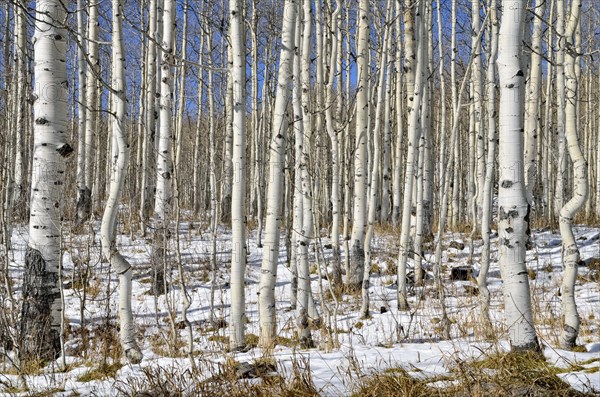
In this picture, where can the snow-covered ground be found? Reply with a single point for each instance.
(389, 339)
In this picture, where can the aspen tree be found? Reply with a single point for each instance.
(454, 217)
(227, 172)
(120, 160)
(561, 174)
(513, 209)
(570, 251)
(199, 122)
(374, 174)
(304, 309)
(182, 84)
(164, 159)
(548, 210)
(149, 139)
(413, 68)
(238, 199)
(386, 177)
(41, 312)
(532, 101)
(357, 256)
(277, 147)
(80, 103)
(397, 194)
(297, 184)
(486, 213)
(20, 105)
(84, 205)
(255, 194)
(335, 145)
(477, 134)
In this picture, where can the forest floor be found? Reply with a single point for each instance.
(350, 352)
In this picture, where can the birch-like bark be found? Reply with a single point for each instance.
(120, 160)
(84, 209)
(486, 214)
(359, 221)
(19, 127)
(399, 73)
(163, 201)
(41, 312)
(414, 104)
(238, 199)
(297, 186)
(561, 174)
(546, 180)
(149, 139)
(383, 86)
(304, 309)
(335, 152)
(182, 83)
(513, 209)
(477, 133)
(227, 175)
(196, 200)
(277, 147)
(532, 100)
(454, 217)
(570, 251)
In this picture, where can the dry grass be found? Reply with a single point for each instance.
(227, 379)
(496, 375)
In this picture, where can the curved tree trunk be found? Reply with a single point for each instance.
(120, 160)
(570, 251)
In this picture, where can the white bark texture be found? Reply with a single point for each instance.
(359, 221)
(570, 251)
(486, 214)
(304, 308)
(414, 102)
(277, 147)
(374, 174)
(41, 309)
(238, 199)
(164, 162)
(532, 101)
(91, 115)
(120, 160)
(513, 224)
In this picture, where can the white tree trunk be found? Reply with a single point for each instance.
(91, 115)
(304, 291)
(21, 66)
(335, 152)
(238, 200)
(414, 103)
(513, 208)
(120, 160)
(532, 101)
(266, 299)
(561, 174)
(357, 256)
(149, 139)
(383, 86)
(570, 251)
(163, 201)
(486, 214)
(41, 309)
